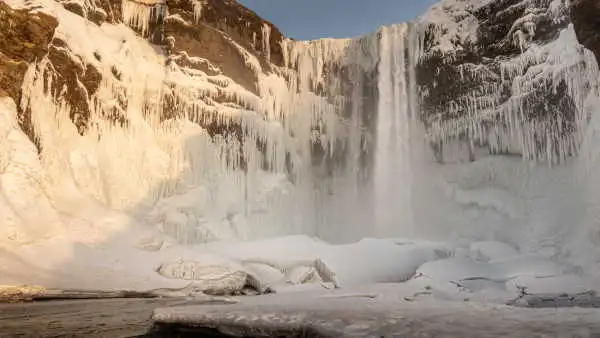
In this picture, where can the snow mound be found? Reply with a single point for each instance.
(210, 276)
(301, 259)
(377, 261)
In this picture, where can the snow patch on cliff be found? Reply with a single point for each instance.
(453, 24)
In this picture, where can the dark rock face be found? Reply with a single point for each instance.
(28, 37)
(95, 11)
(245, 27)
(476, 76)
(217, 34)
(24, 38)
(585, 15)
(68, 71)
(225, 16)
(214, 30)
(208, 39)
(216, 42)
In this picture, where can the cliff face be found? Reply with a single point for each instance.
(213, 37)
(191, 91)
(24, 38)
(584, 14)
(508, 75)
(188, 92)
(488, 45)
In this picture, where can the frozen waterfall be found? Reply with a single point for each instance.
(333, 144)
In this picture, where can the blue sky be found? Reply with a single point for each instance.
(313, 19)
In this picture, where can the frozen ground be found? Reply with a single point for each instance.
(378, 312)
(488, 272)
(132, 317)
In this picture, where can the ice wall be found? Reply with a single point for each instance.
(291, 170)
(508, 119)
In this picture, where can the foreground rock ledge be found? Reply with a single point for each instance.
(357, 316)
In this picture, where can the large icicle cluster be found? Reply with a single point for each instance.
(139, 14)
(507, 108)
(193, 185)
(509, 78)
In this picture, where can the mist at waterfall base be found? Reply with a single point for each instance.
(348, 193)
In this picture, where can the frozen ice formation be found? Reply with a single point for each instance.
(404, 132)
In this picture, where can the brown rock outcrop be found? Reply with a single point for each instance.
(24, 38)
(76, 79)
(223, 27)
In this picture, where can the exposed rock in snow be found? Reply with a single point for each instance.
(24, 38)
(90, 9)
(212, 276)
(524, 78)
(584, 14)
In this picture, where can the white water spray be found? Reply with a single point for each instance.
(393, 176)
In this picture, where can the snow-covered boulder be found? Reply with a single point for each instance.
(209, 274)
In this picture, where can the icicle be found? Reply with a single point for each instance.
(138, 14)
(197, 7)
(266, 40)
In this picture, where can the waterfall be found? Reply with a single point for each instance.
(331, 144)
(393, 175)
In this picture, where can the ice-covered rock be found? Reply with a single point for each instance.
(524, 79)
(209, 274)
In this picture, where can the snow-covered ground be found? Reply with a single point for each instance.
(380, 311)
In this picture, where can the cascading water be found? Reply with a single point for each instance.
(393, 174)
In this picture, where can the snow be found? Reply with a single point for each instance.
(453, 22)
(559, 61)
(491, 251)
(380, 311)
(160, 204)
